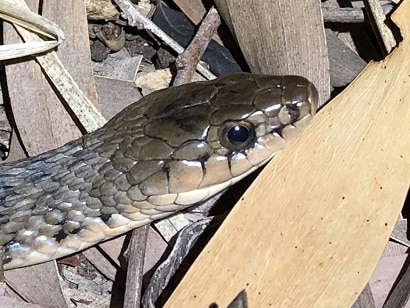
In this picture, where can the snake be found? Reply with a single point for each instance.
(170, 150)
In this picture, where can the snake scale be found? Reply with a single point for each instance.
(170, 150)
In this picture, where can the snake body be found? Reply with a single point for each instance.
(170, 150)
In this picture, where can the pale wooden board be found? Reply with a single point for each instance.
(311, 228)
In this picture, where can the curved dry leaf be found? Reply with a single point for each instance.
(26, 23)
(17, 12)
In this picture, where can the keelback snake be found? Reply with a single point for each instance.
(170, 150)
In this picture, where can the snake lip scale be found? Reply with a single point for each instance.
(172, 149)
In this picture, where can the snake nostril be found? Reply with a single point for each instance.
(293, 111)
(289, 113)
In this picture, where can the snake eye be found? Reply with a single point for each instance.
(236, 135)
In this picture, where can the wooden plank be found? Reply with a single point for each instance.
(75, 52)
(282, 37)
(311, 228)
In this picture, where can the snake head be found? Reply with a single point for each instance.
(195, 140)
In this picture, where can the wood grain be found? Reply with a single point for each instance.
(282, 37)
(75, 52)
(311, 228)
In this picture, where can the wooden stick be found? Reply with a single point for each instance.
(382, 31)
(136, 255)
(311, 228)
(135, 18)
(189, 59)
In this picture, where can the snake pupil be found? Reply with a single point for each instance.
(238, 134)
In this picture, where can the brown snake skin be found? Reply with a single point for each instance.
(172, 149)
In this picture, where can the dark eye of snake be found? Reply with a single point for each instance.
(236, 136)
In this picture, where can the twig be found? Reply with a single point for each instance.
(135, 18)
(344, 15)
(189, 59)
(383, 33)
(136, 255)
(349, 14)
